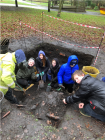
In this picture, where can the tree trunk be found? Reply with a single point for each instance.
(71, 2)
(75, 2)
(98, 6)
(60, 7)
(52, 3)
(16, 3)
(49, 5)
(55, 2)
(62, 3)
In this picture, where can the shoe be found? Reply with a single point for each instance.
(83, 113)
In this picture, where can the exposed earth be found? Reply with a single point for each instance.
(23, 123)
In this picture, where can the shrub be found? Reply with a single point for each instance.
(96, 8)
(93, 5)
(88, 7)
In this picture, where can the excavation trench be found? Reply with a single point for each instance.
(50, 103)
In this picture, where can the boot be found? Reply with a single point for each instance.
(83, 112)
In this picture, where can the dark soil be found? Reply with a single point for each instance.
(50, 102)
(62, 54)
(24, 123)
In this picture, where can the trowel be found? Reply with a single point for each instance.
(41, 84)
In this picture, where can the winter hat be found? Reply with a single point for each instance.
(73, 62)
(20, 56)
(41, 52)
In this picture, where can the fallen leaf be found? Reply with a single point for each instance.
(64, 128)
(87, 125)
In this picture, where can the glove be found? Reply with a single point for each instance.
(42, 73)
(60, 85)
(37, 75)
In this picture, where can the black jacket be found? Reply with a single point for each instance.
(90, 91)
(54, 70)
(39, 65)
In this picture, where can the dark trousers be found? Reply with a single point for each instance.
(22, 82)
(43, 77)
(10, 97)
(90, 112)
(68, 87)
(54, 84)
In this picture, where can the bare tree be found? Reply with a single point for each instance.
(49, 2)
(60, 7)
(16, 3)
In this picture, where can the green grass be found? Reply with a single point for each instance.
(98, 11)
(64, 31)
(38, 3)
(13, 2)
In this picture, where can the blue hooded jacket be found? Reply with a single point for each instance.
(20, 56)
(65, 72)
(103, 79)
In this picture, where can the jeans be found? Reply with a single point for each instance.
(90, 112)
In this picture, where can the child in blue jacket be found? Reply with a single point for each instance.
(66, 71)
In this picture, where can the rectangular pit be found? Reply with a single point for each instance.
(61, 53)
(50, 102)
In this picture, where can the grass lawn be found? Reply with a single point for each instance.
(13, 2)
(39, 3)
(98, 11)
(65, 31)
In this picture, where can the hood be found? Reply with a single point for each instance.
(72, 57)
(57, 63)
(20, 56)
(41, 52)
(103, 79)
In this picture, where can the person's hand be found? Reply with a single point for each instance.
(81, 105)
(37, 75)
(64, 101)
(60, 85)
(42, 73)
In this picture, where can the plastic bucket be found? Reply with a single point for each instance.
(49, 77)
(1, 96)
(92, 71)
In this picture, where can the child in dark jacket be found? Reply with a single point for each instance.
(42, 65)
(66, 71)
(54, 71)
(91, 93)
(26, 74)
